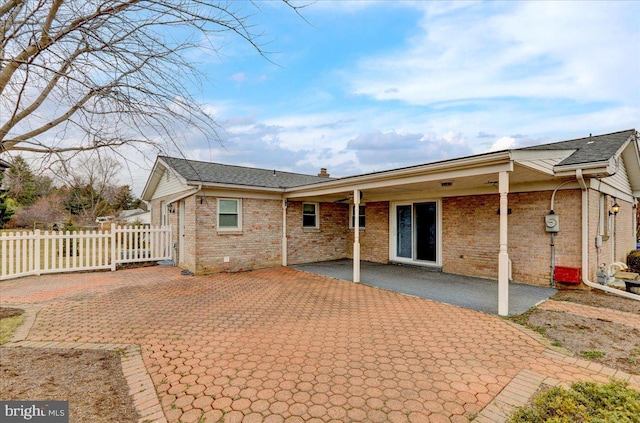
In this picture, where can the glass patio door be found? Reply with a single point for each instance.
(417, 231)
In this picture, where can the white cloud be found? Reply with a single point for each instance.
(503, 143)
(239, 77)
(576, 50)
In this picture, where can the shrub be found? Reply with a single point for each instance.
(586, 402)
(633, 261)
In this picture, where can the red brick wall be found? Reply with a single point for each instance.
(256, 246)
(329, 242)
(374, 239)
(471, 234)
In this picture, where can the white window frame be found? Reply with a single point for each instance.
(352, 216)
(317, 215)
(238, 211)
(393, 233)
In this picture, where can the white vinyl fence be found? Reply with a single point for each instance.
(36, 252)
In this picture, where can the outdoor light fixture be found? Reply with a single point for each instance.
(615, 208)
(170, 208)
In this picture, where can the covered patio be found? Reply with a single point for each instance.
(463, 291)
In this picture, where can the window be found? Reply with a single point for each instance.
(229, 216)
(310, 215)
(361, 218)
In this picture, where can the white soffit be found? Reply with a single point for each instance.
(541, 160)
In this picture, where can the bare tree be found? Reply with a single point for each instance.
(87, 179)
(80, 75)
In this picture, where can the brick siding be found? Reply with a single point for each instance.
(328, 242)
(374, 239)
(257, 245)
(471, 228)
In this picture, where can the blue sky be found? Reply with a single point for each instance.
(373, 85)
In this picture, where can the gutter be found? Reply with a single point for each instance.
(585, 245)
(185, 195)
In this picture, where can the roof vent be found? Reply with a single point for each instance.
(323, 172)
(446, 183)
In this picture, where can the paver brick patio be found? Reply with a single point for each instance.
(282, 345)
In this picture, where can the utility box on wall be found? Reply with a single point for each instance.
(552, 222)
(567, 274)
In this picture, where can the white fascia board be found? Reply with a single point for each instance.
(600, 169)
(519, 155)
(631, 157)
(472, 166)
(605, 188)
(159, 167)
(152, 181)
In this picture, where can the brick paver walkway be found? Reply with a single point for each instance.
(278, 345)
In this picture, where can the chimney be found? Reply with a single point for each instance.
(323, 173)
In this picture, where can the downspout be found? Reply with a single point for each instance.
(284, 233)
(552, 235)
(585, 244)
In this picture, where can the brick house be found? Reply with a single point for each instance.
(482, 215)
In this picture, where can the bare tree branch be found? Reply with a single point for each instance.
(81, 75)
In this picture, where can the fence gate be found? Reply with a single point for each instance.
(36, 252)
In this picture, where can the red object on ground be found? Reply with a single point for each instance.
(567, 274)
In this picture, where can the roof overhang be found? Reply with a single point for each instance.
(159, 167)
(631, 157)
(458, 168)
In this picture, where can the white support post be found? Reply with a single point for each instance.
(503, 256)
(284, 233)
(113, 247)
(356, 235)
(36, 251)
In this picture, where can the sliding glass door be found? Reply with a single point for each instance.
(416, 232)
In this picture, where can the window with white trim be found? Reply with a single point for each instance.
(229, 214)
(361, 217)
(310, 215)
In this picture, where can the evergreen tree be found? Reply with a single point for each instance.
(20, 182)
(5, 211)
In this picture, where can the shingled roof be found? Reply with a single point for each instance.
(600, 148)
(216, 173)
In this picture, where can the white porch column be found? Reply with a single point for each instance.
(503, 256)
(284, 232)
(356, 235)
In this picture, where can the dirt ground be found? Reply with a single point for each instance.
(92, 381)
(612, 344)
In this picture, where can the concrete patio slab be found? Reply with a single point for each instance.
(280, 345)
(462, 291)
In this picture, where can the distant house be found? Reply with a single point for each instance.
(126, 217)
(135, 216)
(485, 215)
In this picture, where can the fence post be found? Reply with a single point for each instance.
(113, 247)
(36, 259)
